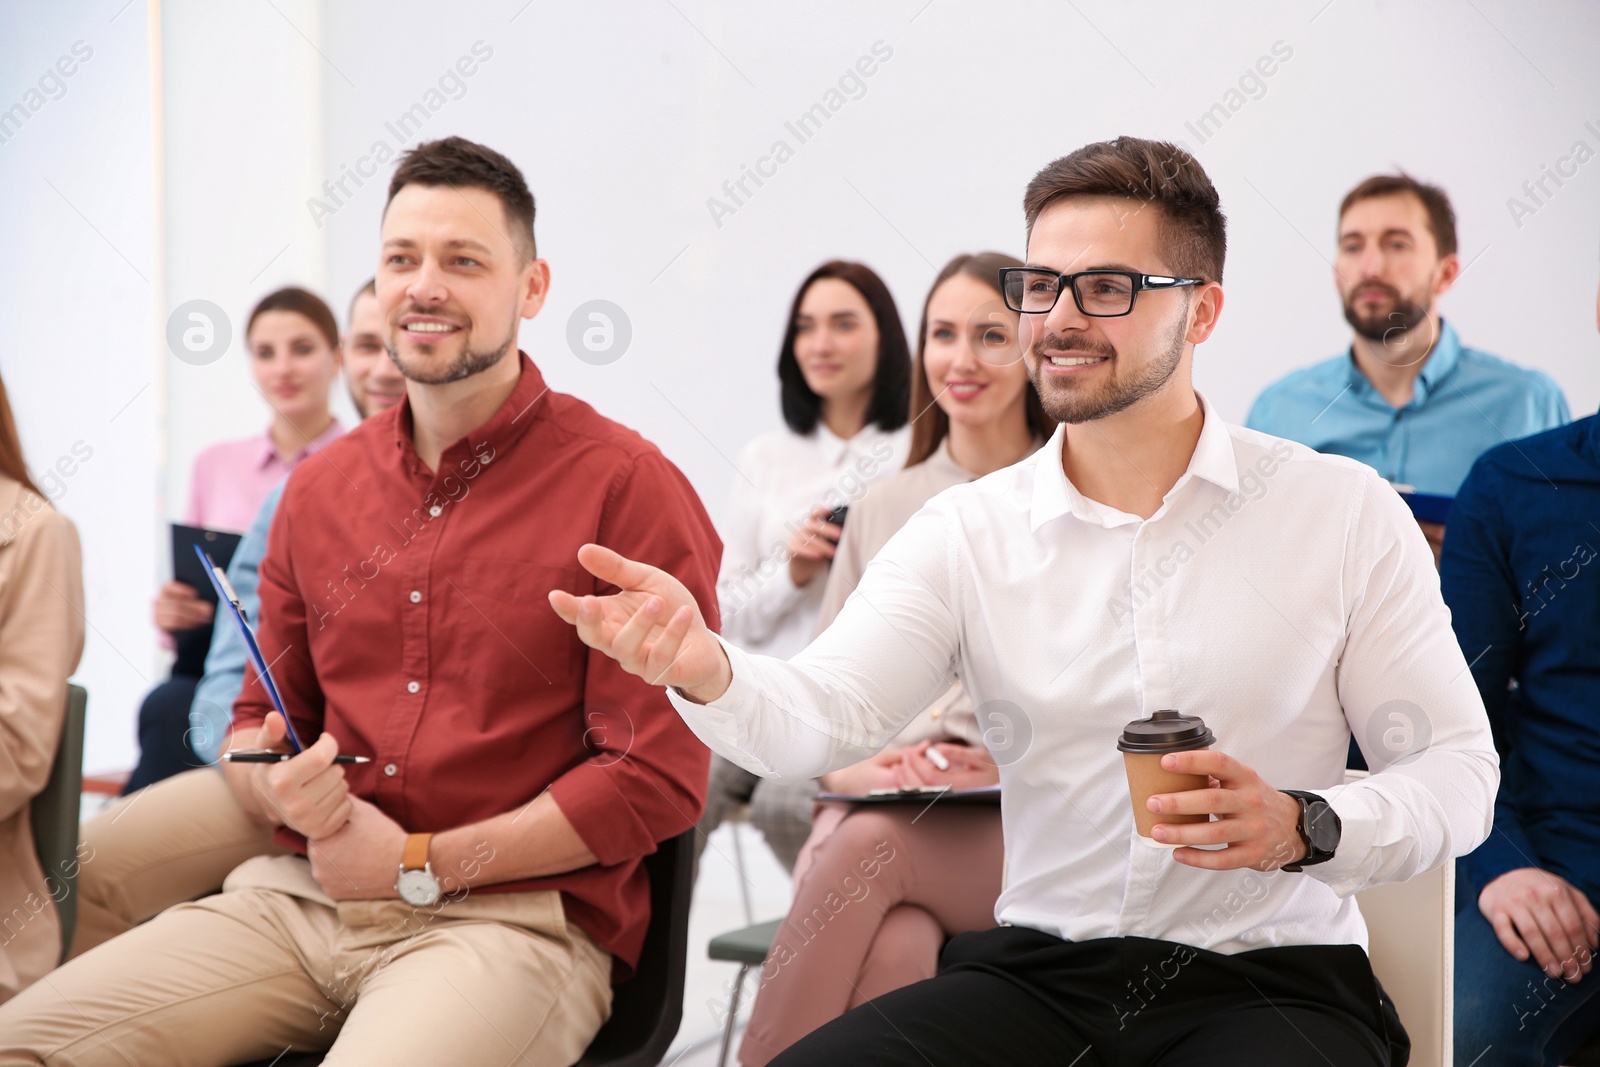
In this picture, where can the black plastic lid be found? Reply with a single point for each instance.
(1166, 731)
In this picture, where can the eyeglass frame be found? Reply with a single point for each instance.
(1065, 282)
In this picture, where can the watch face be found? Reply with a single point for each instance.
(418, 887)
(1322, 826)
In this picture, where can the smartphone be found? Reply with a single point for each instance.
(836, 516)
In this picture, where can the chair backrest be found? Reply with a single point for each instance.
(56, 812)
(1411, 929)
(647, 1009)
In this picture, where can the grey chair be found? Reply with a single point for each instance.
(55, 814)
(747, 946)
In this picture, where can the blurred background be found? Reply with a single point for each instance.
(216, 151)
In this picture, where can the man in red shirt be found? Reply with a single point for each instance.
(466, 896)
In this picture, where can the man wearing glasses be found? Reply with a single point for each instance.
(1151, 557)
(1407, 398)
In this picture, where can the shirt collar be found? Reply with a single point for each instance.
(942, 459)
(525, 406)
(831, 445)
(1054, 495)
(269, 449)
(1442, 361)
(835, 449)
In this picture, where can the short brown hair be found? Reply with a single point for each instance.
(1441, 216)
(460, 163)
(302, 302)
(1194, 231)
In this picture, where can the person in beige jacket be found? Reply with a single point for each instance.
(41, 638)
(879, 888)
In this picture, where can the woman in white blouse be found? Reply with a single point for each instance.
(845, 369)
(912, 874)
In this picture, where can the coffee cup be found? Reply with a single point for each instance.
(1143, 743)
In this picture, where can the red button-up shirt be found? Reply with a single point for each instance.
(404, 610)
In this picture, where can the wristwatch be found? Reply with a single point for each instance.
(1319, 828)
(416, 884)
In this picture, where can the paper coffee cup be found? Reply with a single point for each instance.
(1143, 743)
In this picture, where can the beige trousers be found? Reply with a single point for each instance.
(271, 964)
(169, 842)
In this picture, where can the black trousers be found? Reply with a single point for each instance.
(1012, 996)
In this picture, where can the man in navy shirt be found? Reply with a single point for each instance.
(1407, 398)
(1521, 574)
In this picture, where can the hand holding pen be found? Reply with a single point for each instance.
(305, 791)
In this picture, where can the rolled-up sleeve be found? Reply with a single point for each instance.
(645, 780)
(890, 652)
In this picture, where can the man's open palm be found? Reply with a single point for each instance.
(653, 627)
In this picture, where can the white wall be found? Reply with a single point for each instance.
(627, 118)
(78, 291)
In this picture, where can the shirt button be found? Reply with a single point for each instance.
(436, 511)
(416, 596)
(413, 687)
(390, 769)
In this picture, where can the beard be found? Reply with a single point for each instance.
(1071, 404)
(469, 362)
(1405, 315)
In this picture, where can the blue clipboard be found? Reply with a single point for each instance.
(1426, 507)
(226, 595)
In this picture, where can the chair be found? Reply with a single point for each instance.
(747, 946)
(646, 1009)
(1411, 932)
(55, 815)
(1411, 941)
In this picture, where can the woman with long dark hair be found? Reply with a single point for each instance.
(845, 371)
(935, 871)
(41, 638)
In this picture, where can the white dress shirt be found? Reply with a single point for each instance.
(1285, 596)
(782, 476)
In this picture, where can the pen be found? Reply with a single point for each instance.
(936, 758)
(279, 757)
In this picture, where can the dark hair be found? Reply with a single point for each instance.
(11, 461)
(370, 287)
(301, 302)
(929, 424)
(1441, 216)
(891, 392)
(1193, 229)
(460, 163)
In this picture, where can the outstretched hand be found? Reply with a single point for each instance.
(653, 628)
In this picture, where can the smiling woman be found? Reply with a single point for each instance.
(845, 371)
(294, 353)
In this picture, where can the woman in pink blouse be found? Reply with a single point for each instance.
(293, 343)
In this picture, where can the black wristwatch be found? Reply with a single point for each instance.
(1319, 828)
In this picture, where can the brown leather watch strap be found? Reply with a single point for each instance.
(415, 857)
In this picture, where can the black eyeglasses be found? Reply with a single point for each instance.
(1101, 294)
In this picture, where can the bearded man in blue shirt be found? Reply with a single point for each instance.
(1407, 398)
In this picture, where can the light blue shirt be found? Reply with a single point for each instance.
(1464, 402)
(212, 711)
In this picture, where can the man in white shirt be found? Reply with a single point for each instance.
(1149, 557)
